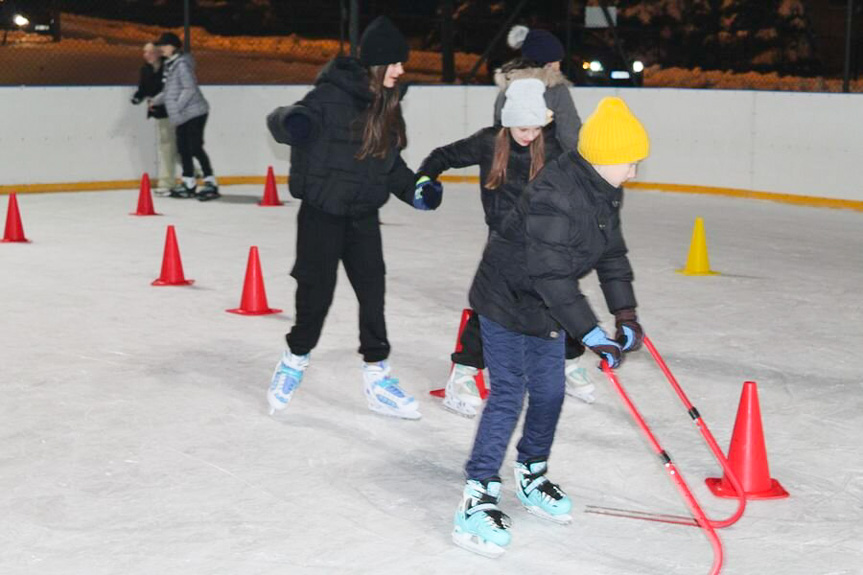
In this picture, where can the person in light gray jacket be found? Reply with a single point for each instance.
(187, 111)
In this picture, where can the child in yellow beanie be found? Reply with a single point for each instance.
(565, 224)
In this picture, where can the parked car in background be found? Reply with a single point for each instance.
(596, 62)
(30, 16)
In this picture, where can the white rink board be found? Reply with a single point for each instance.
(792, 143)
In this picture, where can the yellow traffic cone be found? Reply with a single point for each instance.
(697, 264)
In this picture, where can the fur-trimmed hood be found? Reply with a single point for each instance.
(549, 76)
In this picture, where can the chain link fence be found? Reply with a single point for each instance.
(735, 44)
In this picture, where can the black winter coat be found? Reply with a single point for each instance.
(566, 224)
(150, 83)
(479, 149)
(324, 169)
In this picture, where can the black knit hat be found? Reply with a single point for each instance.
(383, 44)
(541, 46)
(169, 39)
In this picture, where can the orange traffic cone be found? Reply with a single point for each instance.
(14, 230)
(172, 266)
(145, 199)
(254, 300)
(747, 454)
(271, 194)
(478, 378)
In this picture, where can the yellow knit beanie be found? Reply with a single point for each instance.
(612, 135)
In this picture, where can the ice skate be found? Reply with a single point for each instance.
(539, 495)
(578, 382)
(461, 395)
(286, 380)
(479, 524)
(182, 191)
(384, 394)
(209, 191)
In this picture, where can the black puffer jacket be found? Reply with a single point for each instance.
(150, 83)
(566, 224)
(324, 169)
(479, 149)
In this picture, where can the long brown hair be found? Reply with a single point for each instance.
(497, 174)
(384, 124)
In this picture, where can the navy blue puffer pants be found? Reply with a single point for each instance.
(517, 363)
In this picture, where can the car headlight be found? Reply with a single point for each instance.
(638, 66)
(596, 66)
(20, 20)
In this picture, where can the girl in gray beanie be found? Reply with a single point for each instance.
(509, 157)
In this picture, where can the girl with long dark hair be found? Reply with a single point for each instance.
(509, 157)
(346, 136)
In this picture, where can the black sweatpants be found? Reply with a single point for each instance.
(190, 144)
(322, 240)
(471, 345)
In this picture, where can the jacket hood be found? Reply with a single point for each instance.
(348, 74)
(549, 76)
(180, 57)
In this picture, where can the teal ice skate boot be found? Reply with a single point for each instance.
(539, 495)
(479, 525)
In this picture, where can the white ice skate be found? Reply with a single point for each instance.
(384, 394)
(286, 380)
(578, 382)
(479, 525)
(539, 495)
(461, 395)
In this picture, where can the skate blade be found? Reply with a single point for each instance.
(391, 412)
(477, 545)
(470, 399)
(582, 395)
(457, 411)
(563, 519)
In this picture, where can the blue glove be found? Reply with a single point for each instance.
(428, 194)
(606, 348)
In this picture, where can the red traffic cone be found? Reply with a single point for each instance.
(747, 454)
(254, 300)
(172, 266)
(271, 194)
(478, 378)
(14, 229)
(145, 199)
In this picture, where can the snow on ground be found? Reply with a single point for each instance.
(137, 441)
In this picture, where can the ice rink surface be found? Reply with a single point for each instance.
(135, 435)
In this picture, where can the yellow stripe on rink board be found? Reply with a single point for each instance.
(737, 193)
(123, 185)
(471, 179)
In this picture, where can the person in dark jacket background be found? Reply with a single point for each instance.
(509, 157)
(150, 83)
(346, 136)
(565, 225)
